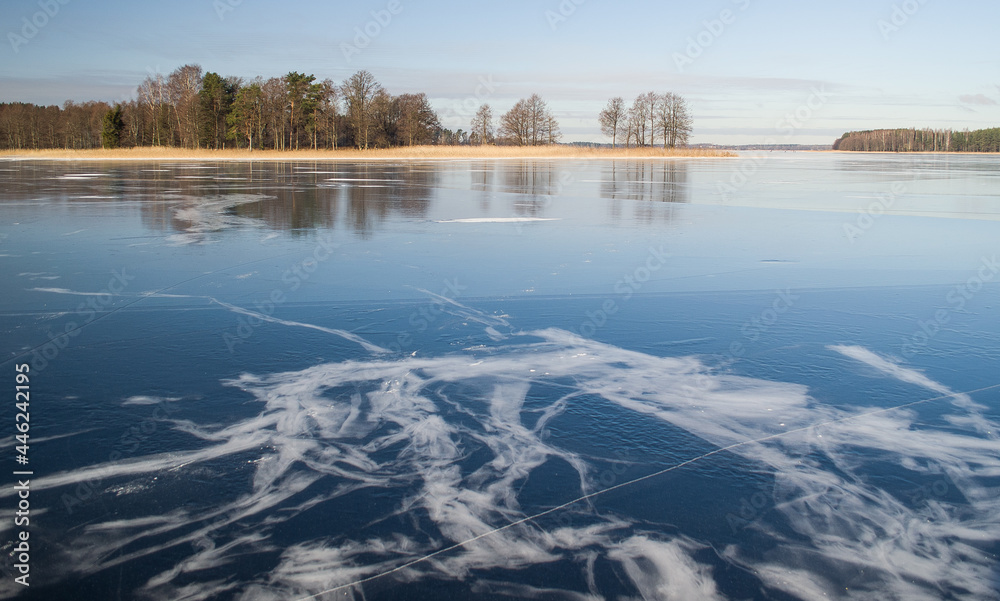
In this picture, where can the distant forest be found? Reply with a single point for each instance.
(920, 140)
(189, 109)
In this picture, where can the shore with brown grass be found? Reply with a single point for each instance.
(408, 153)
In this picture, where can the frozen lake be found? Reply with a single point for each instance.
(766, 378)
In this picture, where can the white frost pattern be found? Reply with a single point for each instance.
(410, 427)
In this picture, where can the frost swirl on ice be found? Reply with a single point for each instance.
(445, 444)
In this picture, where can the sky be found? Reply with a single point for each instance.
(752, 71)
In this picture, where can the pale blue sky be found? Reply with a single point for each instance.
(938, 66)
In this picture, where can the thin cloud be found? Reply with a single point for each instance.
(977, 99)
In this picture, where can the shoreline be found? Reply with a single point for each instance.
(412, 153)
(939, 152)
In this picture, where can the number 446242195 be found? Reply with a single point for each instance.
(22, 398)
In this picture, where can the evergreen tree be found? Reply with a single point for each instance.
(301, 96)
(246, 119)
(215, 101)
(112, 127)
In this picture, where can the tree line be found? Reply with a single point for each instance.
(920, 140)
(192, 109)
(651, 115)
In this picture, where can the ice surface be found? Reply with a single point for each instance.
(705, 379)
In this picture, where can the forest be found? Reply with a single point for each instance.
(192, 109)
(920, 140)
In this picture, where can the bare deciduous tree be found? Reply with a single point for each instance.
(612, 118)
(183, 84)
(360, 92)
(529, 123)
(274, 100)
(515, 124)
(482, 125)
(674, 120)
(323, 101)
(189, 109)
(551, 129)
(417, 120)
(650, 100)
(638, 117)
(651, 113)
(153, 99)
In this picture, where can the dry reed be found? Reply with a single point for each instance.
(402, 153)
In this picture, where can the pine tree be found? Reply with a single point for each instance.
(247, 115)
(216, 99)
(112, 127)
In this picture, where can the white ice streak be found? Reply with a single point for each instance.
(845, 527)
(349, 336)
(895, 370)
(72, 176)
(457, 309)
(67, 291)
(665, 570)
(498, 220)
(149, 400)
(410, 426)
(372, 348)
